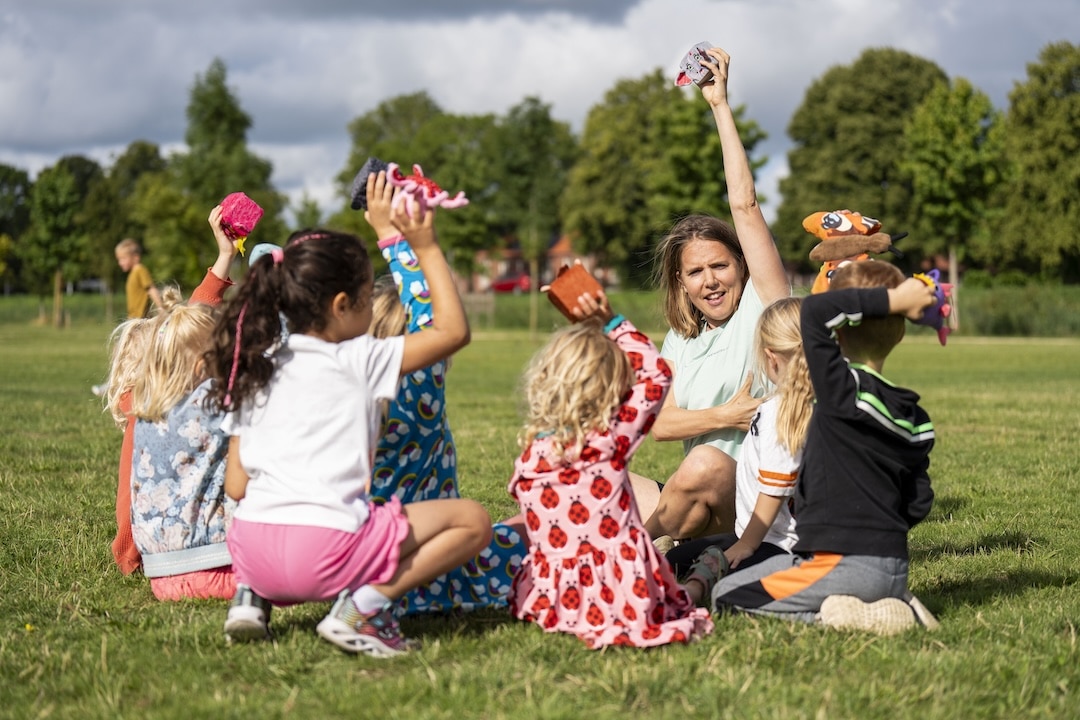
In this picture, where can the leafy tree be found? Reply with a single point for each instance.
(307, 213)
(6, 244)
(105, 215)
(176, 235)
(847, 134)
(462, 152)
(388, 132)
(15, 188)
(536, 155)
(456, 151)
(53, 245)
(954, 155)
(649, 154)
(1042, 200)
(217, 163)
(606, 201)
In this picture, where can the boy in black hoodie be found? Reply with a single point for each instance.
(863, 483)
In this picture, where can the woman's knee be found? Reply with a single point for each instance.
(706, 471)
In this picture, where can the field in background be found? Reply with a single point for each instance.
(1028, 311)
(998, 560)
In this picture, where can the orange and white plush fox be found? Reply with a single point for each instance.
(845, 236)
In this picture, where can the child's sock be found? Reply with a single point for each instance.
(368, 600)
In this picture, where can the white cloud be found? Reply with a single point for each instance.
(90, 76)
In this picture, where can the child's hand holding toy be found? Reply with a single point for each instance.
(940, 310)
(239, 216)
(577, 294)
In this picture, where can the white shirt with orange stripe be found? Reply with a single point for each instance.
(765, 466)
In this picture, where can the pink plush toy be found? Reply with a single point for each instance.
(426, 191)
(239, 216)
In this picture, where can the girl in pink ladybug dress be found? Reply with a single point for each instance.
(593, 392)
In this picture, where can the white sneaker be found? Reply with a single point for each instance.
(887, 616)
(922, 614)
(248, 618)
(377, 634)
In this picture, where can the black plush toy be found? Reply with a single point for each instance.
(373, 166)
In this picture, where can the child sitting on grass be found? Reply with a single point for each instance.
(128, 348)
(593, 392)
(304, 415)
(179, 511)
(863, 482)
(415, 458)
(768, 460)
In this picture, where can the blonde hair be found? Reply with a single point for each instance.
(873, 338)
(573, 386)
(779, 332)
(127, 343)
(128, 247)
(387, 313)
(178, 337)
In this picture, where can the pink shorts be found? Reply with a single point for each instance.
(202, 584)
(304, 563)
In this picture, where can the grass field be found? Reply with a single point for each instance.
(998, 561)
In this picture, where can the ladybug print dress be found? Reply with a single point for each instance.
(591, 569)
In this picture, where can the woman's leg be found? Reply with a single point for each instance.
(646, 493)
(443, 534)
(699, 499)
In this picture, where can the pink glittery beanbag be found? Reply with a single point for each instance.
(239, 215)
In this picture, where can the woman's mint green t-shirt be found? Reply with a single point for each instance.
(710, 368)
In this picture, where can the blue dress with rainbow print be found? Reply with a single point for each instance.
(415, 460)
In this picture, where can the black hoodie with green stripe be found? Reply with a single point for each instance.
(863, 482)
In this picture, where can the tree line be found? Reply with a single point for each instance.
(889, 135)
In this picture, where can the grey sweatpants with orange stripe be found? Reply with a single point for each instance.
(794, 586)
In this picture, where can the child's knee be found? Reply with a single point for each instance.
(473, 516)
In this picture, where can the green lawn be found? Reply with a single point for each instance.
(998, 561)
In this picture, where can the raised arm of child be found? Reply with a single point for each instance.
(408, 275)
(762, 258)
(910, 300)
(449, 329)
(212, 289)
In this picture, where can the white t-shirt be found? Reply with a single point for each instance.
(765, 466)
(710, 368)
(308, 439)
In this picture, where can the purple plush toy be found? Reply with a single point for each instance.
(936, 315)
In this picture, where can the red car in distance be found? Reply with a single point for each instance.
(515, 282)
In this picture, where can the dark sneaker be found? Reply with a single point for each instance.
(378, 634)
(887, 616)
(248, 618)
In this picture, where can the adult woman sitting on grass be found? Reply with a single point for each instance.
(717, 280)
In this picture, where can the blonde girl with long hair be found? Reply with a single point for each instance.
(179, 510)
(592, 394)
(128, 346)
(768, 462)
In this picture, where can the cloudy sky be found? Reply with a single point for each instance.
(90, 76)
